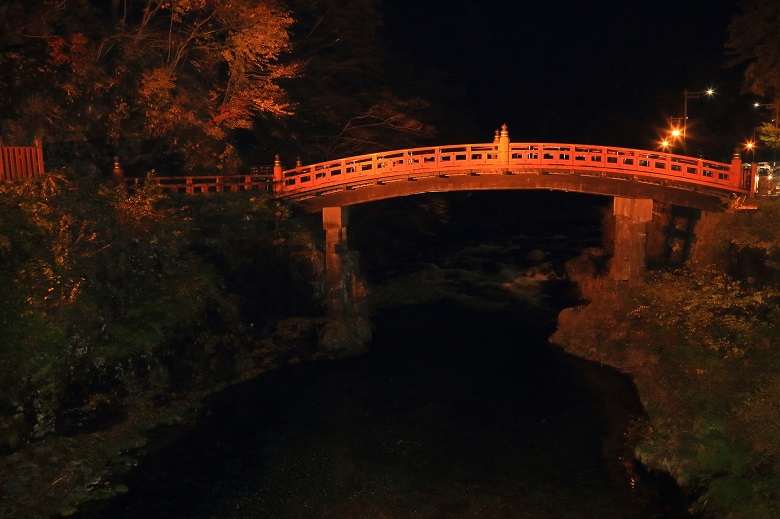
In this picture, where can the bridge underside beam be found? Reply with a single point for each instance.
(371, 191)
(630, 255)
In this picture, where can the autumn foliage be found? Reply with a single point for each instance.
(200, 85)
(154, 80)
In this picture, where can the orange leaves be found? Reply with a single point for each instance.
(259, 35)
(66, 51)
(57, 54)
(214, 70)
(157, 85)
(78, 43)
(234, 114)
(255, 39)
(156, 98)
(172, 76)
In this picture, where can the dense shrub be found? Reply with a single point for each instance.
(702, 346)
(107, 291)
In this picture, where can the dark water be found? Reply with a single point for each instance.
(455, 413)
(461, 409)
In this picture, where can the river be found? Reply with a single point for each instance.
(460, 409)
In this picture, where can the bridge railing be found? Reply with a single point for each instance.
(623, 159)
(556, 158)
(385, 165)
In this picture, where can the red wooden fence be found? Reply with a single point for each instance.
(21, 161)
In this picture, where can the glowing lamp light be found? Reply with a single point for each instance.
(695, 94)
(676, 133)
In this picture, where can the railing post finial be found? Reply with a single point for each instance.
(118, 174)
(736, 161)
(278, 175)
(503, 145)
(497, 137)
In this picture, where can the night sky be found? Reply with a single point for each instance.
(601, 72)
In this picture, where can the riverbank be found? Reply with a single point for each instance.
(122, 311)
(700, 345)
(59, 474)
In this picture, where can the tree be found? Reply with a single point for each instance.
(171, 79)
(769, 134)
(754, 39)
(344, 105)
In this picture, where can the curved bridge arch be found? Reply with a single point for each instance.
(501, 165)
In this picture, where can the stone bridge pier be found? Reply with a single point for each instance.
(334, 222)
(629, 259)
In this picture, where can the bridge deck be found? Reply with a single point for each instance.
(569, 167)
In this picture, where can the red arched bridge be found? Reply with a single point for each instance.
(602, 170)
(635, 178)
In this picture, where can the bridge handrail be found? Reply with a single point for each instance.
(478, 158)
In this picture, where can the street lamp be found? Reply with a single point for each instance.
(692, 95)
(750, 146)
(668, 141)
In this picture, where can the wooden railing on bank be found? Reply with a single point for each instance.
(258, 179)
(21, 161)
